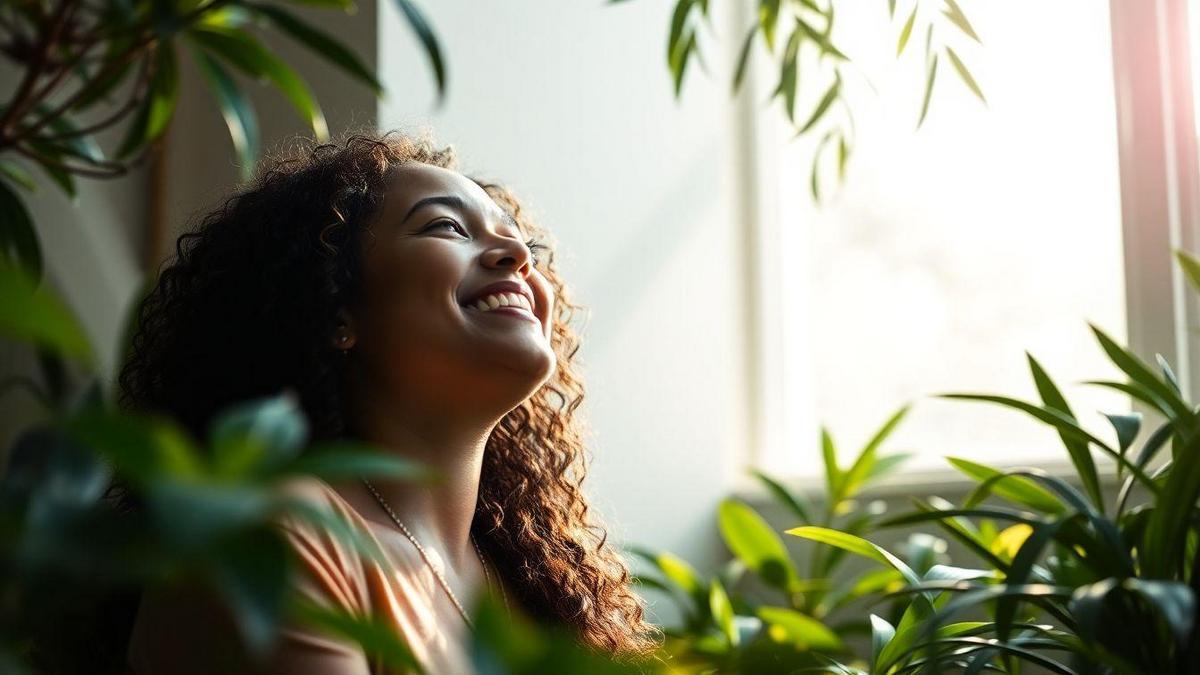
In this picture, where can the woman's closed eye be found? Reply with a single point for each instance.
(443, 222)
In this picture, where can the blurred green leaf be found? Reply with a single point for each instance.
(251, 571)
(795, 502)
(19, 247)
(36, 315)
(929, 79)
(802, 631)
(257, 437)
(958, 18)
(753, 541)
(906, 32)
(965, 74)
(882, 633)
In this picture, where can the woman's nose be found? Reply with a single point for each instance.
(510, 254)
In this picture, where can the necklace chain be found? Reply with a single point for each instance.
(436, 573)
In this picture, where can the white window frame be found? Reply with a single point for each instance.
(1159, 167)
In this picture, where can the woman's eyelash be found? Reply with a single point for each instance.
(536, 245)
(446, 222)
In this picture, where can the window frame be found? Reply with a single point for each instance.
(1159, 170)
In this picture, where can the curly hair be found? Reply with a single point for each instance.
(248, 307)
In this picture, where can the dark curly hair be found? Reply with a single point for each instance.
(248, 307)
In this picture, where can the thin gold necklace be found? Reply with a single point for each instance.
(437, 574)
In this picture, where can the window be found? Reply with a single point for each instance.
(951, 250)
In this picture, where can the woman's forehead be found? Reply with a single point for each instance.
(414, 186)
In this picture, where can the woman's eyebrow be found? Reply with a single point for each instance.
(457, 203)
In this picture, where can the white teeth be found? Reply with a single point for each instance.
(503, 300)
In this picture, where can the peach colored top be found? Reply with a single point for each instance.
(187, 633)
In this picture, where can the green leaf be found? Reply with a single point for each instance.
(793, 501)
(236, 110)
(320, 43)
(1191, 267)
(1173, 600)
(1161, 552)
(1013, 488)
(958, 18)
(1127, 426)
(743, 59)
(19, 246)
(164, 92)
(856, 476)
(416, 20)
(856, 545)
(821, 40)
(346, 459)
(965, 75)
(906, 32)
(768, 17)
(823, 106)
(929, 79)
(36, 315)
(680, 58)
(243, 51)
(254, 438)
(722, 612)
(251, 571)
(833, 475)
(374, 634)
(802, 631)
(1140, 373)
(143, 448)
(1081, 456)
(753, 541)
(882, 633)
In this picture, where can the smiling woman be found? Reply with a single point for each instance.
(403, 303)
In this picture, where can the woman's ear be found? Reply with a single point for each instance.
(345, 335)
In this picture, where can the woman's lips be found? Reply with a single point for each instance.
(509, 311)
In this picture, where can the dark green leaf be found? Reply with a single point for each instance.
(823, 106)
(743, 59)
(19, 245)
(34, 314)
(1081, 456)
(236, 109)
(319, 42)
(243, 51)
(416, 20)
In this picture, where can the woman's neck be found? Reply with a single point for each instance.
(440, 513)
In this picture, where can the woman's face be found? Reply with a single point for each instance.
(439, 241)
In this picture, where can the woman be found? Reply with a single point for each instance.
(410, 307)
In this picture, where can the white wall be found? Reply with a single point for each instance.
(572, 105)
